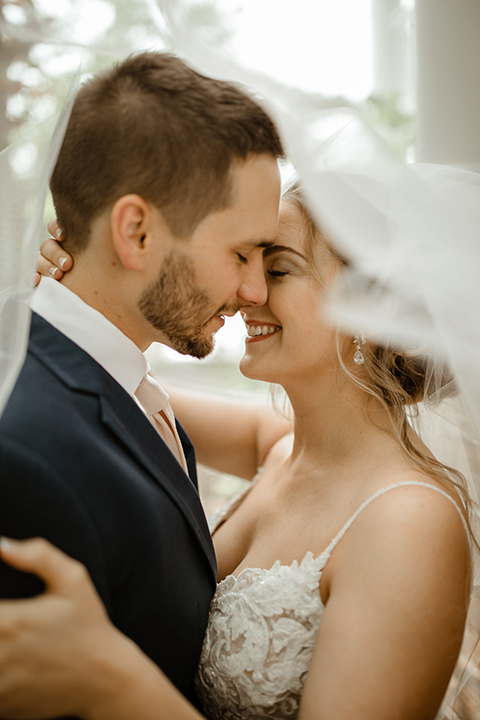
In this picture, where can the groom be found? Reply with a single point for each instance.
(167, 189)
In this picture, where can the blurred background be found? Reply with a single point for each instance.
(411, 67)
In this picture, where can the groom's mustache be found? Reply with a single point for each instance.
(229, 310)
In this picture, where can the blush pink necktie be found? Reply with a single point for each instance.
(154, 401)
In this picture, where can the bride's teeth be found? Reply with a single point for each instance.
(255, 330)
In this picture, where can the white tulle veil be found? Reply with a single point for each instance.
(411, 234)
(25, 170)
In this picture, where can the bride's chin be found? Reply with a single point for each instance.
(251, 370)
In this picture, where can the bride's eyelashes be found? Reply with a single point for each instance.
(283, 265)
(277, 273)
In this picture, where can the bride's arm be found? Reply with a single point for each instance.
(228, 435)
(394, 617)
(60, 654)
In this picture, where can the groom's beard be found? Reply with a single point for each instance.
(177, 307)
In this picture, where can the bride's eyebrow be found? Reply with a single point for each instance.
(281, 248)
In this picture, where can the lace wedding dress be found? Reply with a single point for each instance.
(261, 632)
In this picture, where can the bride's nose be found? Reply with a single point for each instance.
(253, 289)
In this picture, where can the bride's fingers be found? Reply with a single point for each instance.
(47, 268)
(55, 230)
(53, 252)
(59, 571)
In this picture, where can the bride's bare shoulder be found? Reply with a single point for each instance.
(415, 527)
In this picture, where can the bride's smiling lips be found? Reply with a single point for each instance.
(258, 330)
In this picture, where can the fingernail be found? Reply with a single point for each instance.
(58, 232)
(52, 271)
(62, 262)
(6, 544)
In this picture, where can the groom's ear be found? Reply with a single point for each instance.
(136, 230)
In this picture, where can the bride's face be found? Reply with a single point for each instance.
(289, 338)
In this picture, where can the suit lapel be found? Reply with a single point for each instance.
(189, 453)
(123, 417)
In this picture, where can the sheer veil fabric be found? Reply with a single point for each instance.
(411, 234)
(25, 170)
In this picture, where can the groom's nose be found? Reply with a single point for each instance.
(253, 289)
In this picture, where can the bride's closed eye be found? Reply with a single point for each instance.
(277, 273)
(281, 262)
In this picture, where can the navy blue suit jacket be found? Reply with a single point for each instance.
(81, 465)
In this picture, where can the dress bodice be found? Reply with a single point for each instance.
(261, 633)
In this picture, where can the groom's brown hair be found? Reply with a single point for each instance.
(153, 126)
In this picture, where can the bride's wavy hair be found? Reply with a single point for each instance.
(398, 379)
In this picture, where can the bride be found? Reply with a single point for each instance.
(343, 571)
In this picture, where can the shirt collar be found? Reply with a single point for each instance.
(91, 331)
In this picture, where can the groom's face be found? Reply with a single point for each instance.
(219, 269)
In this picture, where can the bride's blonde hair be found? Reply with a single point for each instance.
(397, 379)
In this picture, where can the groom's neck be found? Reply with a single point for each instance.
(105, 290)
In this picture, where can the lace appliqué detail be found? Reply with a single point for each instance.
(260, 640)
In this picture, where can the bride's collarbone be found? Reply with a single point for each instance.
(293, 508)
(283, 518)
(272, 525)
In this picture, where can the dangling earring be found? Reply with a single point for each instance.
(359, 340)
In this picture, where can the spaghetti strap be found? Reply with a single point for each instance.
(222, 515)
(327, 552)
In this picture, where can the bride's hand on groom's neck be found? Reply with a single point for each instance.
(53, 260)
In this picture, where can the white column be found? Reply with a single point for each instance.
(448, 82)
(389, 48)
